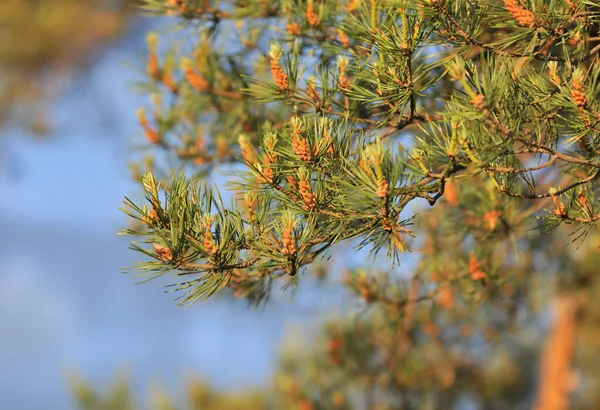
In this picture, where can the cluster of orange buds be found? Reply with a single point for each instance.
(287, 237)
(194, 79)
(365, 165)
(343, 38)
(270, 140)
(311, 88)
(306, 194)
(382, 187)
(311, 17)
(250, 200)
(299, 144)
(522, 16)
(247, 149)
(151, 135)
(279, 76)
(208, 241)
(577, 91)
(152, 66)
(162, 252)
(293, 28)
(343, 81)
(475, 269)
(553, 73)
(559, 208)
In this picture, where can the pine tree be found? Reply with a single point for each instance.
(343, 121)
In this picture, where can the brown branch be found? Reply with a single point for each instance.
(510, 170)
(556, 193)
(196, 267)
(503, 53)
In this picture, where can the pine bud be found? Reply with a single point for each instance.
(279, 76)
(162, 252)
(299, 144)
(152, 67)
(151, 135)
(304, 189)
(577, 91)
(194, 79)
(343, 38)
(522, 16)
(343, 81)
(311, 17)
(294, 28)
(287, 237)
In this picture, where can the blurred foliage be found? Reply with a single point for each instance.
(199, 395)
(44, 41)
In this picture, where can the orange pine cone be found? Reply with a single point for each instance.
(279, 76)
(578, 93)
(311, 16)
(522, 16)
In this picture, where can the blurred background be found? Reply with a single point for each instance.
(67, 127)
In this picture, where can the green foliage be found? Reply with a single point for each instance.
(339, 122)
(455, 88)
